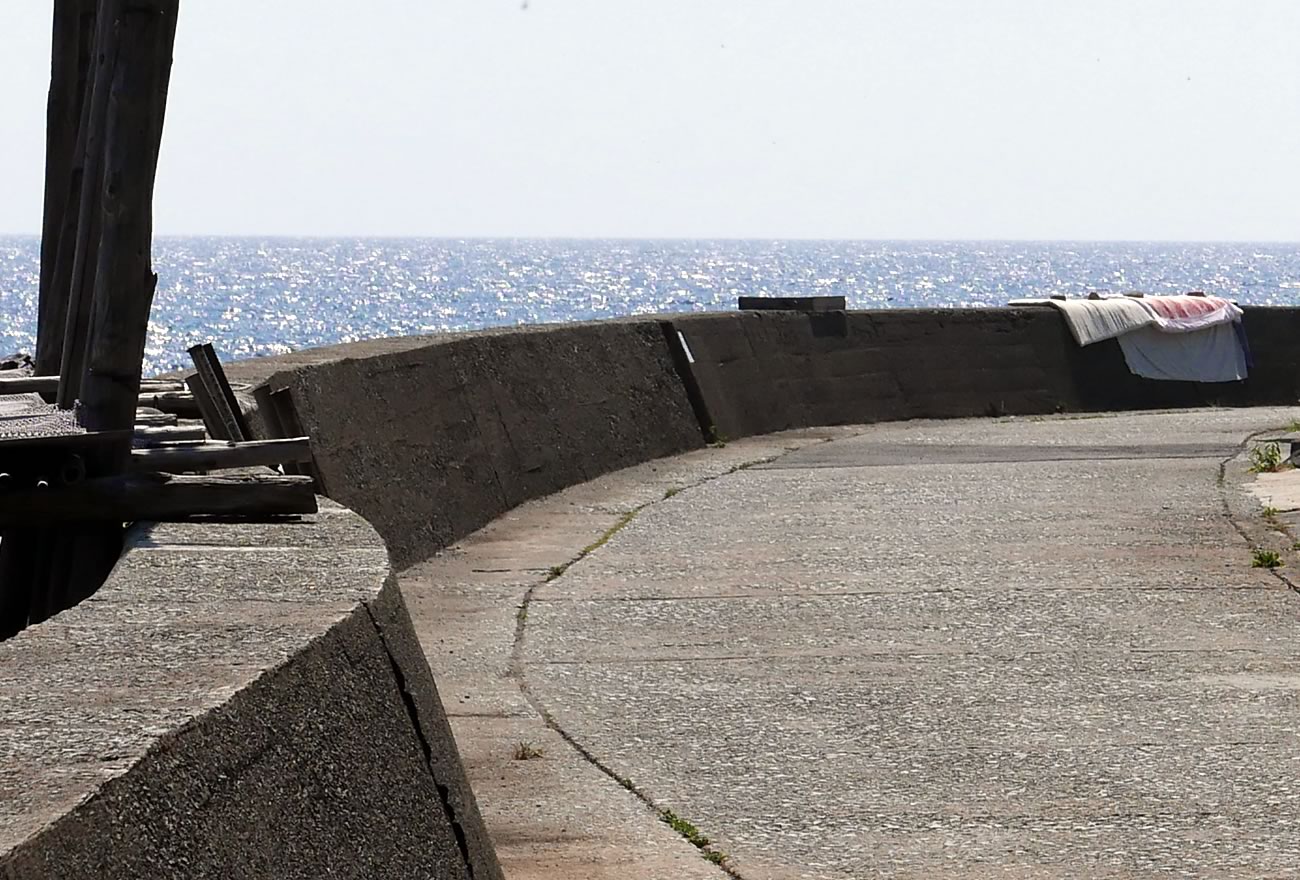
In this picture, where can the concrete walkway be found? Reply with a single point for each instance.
(999, 648)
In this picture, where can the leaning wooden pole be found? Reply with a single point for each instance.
(71, 64)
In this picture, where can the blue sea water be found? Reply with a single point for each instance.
(260, 296)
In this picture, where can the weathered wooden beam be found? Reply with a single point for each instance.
(71, 59)
(165, 497)
(124, 278)
(147, 443)
(171, 432)
(28, 384)
(48, 384)
(182, 403)
(154, 419)
(215, 397)
(220, 454)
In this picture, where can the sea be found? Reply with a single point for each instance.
(265, 296)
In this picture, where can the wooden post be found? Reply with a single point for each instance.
(124, 280)
(70, 66)
(105, 252)
(79, 249)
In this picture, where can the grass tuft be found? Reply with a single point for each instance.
(685, 828)
(693, 836)
(1265, 559)
(1265, 459)
(526, 751)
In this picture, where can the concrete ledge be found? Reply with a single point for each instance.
(237, 700)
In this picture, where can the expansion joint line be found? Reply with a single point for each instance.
(1251, 542)
(517, 671)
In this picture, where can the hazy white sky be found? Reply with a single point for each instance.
(1105, 119)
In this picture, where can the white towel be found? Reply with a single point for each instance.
(1093, 320)
(1210, 355)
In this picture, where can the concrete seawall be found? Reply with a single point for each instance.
(236, 701)
(252, 701)
(430, 438)
(432, 442)
(767, 371)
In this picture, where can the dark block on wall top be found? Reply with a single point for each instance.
(793, 303)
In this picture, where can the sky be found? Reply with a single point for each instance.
(853, 119)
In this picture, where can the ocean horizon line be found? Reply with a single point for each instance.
(256, 236)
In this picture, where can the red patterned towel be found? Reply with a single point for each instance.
(1184, 314)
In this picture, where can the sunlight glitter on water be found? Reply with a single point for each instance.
(268, 296)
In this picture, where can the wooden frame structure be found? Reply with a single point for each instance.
(109, 75)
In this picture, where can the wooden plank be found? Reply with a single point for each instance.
(161, 497)
(147, 443)
(220, 454)
(49, 384)
(29, 384)
(171, 432)
(154, 419)
(180, 403)
(221, 411)
(286, 414)
(71, 58)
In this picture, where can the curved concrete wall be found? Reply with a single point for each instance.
(433, 441)
(251, 700)
(432, 437)
(766, 371)
(236, 701)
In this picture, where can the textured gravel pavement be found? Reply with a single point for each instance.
(984, 648)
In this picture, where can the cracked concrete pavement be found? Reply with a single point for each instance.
(1025, 647)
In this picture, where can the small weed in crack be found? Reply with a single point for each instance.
(526, 751)
(671, 492)
(1265, 559)
(685, 828)
(1265, 459)
(693, 835)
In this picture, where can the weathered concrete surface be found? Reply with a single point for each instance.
(771, 371)
(985, 661)
(557, 816)
(431, 441)
(236, 701)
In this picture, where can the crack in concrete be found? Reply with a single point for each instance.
(517, 672)
(413, 712)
